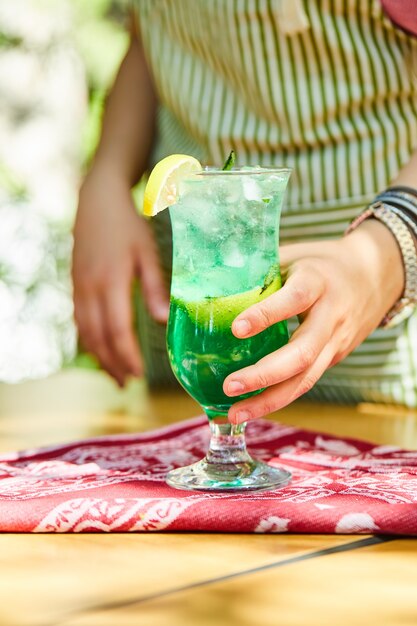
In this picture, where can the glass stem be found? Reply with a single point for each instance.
(227, 444)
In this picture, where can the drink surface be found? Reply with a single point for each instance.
(225, 233)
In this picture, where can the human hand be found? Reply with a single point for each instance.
(341, 290)
(113, 245)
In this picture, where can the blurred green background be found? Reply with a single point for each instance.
(58, 59)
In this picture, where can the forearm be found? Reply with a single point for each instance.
(408, 174)
(378, 258)
(382, 254)
(129, 120)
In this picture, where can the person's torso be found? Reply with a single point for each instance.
(337, 102)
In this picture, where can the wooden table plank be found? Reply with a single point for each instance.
(55, 579)
(76, 404)
(374, 585)
(57, 576)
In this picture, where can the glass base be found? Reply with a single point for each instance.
(247, 476)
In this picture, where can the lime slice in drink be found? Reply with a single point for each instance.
(222, 310)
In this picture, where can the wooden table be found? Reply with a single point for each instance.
(194, 579)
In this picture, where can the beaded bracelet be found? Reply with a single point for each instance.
(404, 189)
(412, 225)
(396, 224)
(403, 198)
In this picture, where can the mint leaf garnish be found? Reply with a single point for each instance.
(230, 161)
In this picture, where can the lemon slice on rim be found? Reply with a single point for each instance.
(161, 190)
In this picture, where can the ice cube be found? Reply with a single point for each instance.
(232, 191)
(232, 255)
(251, 189)
(199, 213)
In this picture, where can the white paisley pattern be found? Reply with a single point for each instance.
(117, 484)
(273, 524)
(88, 514)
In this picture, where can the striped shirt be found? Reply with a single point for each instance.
(335, 99)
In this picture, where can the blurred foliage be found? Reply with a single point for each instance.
(12, 184)
(101, 39)
(100, 36)
(58, 60)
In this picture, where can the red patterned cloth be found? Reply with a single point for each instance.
(116, 484)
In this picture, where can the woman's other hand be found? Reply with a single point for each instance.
(113, 245)
(340, 290)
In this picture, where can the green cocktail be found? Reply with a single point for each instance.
(225, 259)
(203, 350)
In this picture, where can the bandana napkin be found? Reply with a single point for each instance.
(116, 484)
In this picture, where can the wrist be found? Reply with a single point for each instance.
(115, 168)
(117, 164)
(107, 187)
(103, 172)
(380, 259)
(106, 195)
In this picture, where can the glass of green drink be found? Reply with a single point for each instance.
(225, 258)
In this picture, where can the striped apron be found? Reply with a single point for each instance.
(332, 93)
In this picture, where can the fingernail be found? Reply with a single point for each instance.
(242, 327)
(235, 387)
(242, 416)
